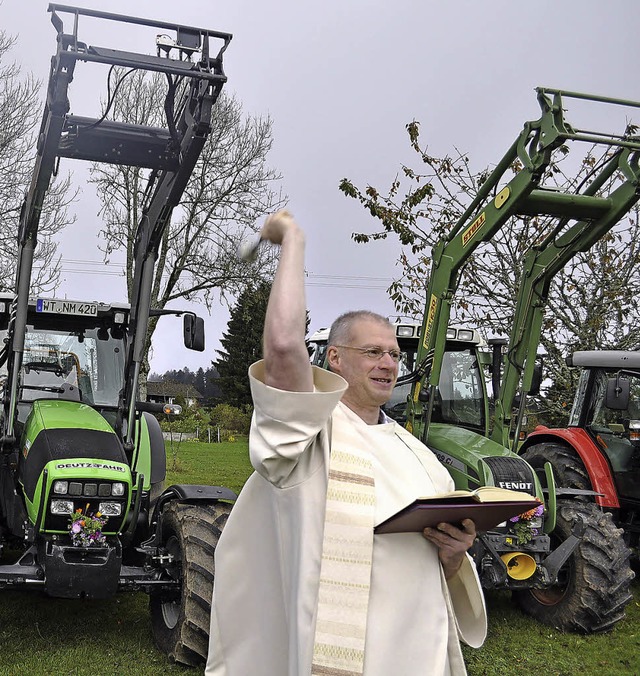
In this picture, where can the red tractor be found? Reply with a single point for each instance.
(598, 453)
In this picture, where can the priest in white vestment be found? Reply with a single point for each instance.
(302, 585)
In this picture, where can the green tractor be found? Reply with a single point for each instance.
(84, 512)
(567, 564)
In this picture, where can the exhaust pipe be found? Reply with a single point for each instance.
(520, 566)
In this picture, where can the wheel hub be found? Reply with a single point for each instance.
(171, 607)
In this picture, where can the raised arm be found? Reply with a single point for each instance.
(287, 365)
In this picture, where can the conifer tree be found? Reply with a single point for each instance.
(242, 344)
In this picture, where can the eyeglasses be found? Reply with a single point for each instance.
(375, 353)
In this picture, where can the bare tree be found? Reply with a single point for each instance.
(231, 187)
(20, 109)
(593, 302)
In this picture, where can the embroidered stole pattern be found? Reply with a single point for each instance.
(347, 546)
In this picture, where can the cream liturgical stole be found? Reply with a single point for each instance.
(347, 548)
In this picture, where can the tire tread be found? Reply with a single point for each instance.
(600, 574)
(197, 528)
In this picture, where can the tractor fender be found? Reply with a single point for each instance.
(158, 453)
(592, 458)
(184, 493)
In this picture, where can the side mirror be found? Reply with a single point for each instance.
(536, 379)
(193, 332)
(423, 395)
(617, 396)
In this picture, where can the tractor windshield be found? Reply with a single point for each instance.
(459, 396)
(396, 407)
(599, 416)
(57, 364)
(460, 393)
(615, 430)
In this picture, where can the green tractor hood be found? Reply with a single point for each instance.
(71, 445)
(473, 460)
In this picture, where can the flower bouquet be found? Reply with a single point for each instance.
(86, 529)
(525, 526)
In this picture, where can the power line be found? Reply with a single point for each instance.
(325, 281)
(347, 286)
(372, 279)
(86, 261)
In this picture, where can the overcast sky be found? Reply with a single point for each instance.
(340, 79)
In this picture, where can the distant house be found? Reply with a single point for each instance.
(167, 391)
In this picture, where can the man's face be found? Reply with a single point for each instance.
(371, 381)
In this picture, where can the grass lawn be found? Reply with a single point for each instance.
(39, 635)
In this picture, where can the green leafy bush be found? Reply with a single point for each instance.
(230, 419)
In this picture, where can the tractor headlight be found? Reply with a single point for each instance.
(75, 488)
(60, 487)
(63, 507)
(404, 331)
(465, 334)
(117, 489)
(110, 508)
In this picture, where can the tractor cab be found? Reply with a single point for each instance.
(77, 351)
(607, 407)
(407, 336)
(460, 397)
(73, 351)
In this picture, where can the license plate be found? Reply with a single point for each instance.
(66, 307)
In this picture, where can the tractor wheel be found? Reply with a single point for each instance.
(594, 584)
(180, 623)
(568, 468)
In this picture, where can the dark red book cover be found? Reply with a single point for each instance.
(429, 512)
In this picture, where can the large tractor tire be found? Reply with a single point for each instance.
(180, 624)
(594, 584)
(568, 469)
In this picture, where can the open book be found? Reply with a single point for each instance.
(487, 506)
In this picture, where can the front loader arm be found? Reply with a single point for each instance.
(489, 211)
(193, 127)
(55, 111)
(598, 215)
(195, 76)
